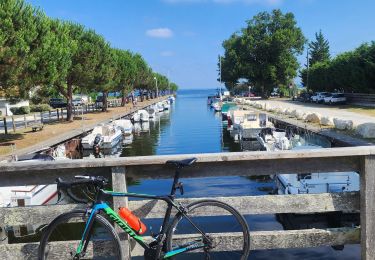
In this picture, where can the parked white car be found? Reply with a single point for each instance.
(319, 97)
(78, 102)
(335, 98)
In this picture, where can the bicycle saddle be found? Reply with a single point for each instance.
(182, 163)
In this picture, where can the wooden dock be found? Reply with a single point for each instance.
(359, 159)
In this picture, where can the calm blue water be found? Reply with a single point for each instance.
(192, 127)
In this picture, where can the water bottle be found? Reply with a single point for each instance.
(133, 221)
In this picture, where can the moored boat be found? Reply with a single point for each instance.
(103, 137)
(125, 126)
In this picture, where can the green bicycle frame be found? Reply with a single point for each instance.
(102, 206)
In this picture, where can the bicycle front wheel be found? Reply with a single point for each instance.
(225, 228)
(61, 238)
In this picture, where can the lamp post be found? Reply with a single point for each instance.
(249, 91)
(157, 91)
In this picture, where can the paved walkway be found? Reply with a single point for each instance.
(323, 110)
(58, 132)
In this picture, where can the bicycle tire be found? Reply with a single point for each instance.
(197, 211)
(58, 232)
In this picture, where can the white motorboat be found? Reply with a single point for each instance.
(217, 106)
(160, 107)
(141, 116)
(103, 136)
(166, 105)
(137, 127)
(274, 140)
(317, 182)
(152, 111)
(235, 118)
(252, 125)
(14, 196)
(125, 125)
(171, 99)
(145, 126)
(127, 139)
(28, 195)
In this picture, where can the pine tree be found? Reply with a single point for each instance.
(319, 49)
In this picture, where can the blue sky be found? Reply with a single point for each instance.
(183, 37)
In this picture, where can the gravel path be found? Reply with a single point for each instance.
(324, 110)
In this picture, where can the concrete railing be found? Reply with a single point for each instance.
(359, 159)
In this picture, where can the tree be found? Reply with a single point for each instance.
(319, 49)
(264, 53)
(125, 73)
(18, 30)
(104, 79)
(85, 61)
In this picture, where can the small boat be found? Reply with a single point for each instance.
(103, 136)
(274, 140)
(125, 125)
(235, 118)
(171, 99)
(217, 106)
(316, 182)
(252, 125)
(159, 107)
(31, 194)
(225, 109)
(152, 111)
(141, 116)
(127, 140)
(166, 105)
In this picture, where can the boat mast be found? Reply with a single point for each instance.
(221, 98)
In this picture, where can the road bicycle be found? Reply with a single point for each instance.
(88, 234)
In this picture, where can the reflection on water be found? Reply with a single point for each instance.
(192, 127)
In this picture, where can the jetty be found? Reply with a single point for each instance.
(359, 159)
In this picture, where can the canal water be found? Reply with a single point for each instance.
(192, 127)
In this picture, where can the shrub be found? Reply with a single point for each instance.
(20, 110)
(40, 108)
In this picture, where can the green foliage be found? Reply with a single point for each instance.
(264, 53)
(352, 71)
(319, 49)
(20, 110)
(62, 58)
(40, 108)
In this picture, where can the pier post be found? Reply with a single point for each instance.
(119, 184)
(367, 189)
(5, 125)
(13, 124)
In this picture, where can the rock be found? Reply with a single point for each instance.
(313, 118)
(342, 124)
(299, 114)
(366, 130)
(289, 112)
(327, 121)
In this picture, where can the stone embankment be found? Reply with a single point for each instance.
(364, 130)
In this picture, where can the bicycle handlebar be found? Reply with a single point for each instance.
(97, 181)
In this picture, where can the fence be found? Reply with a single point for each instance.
(359, 159)
(12, 123)
(361, 99)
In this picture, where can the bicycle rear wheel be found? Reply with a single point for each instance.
(61, 238)
(233, 242)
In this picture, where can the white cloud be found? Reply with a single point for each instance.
(167, 53)
(160, 33)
